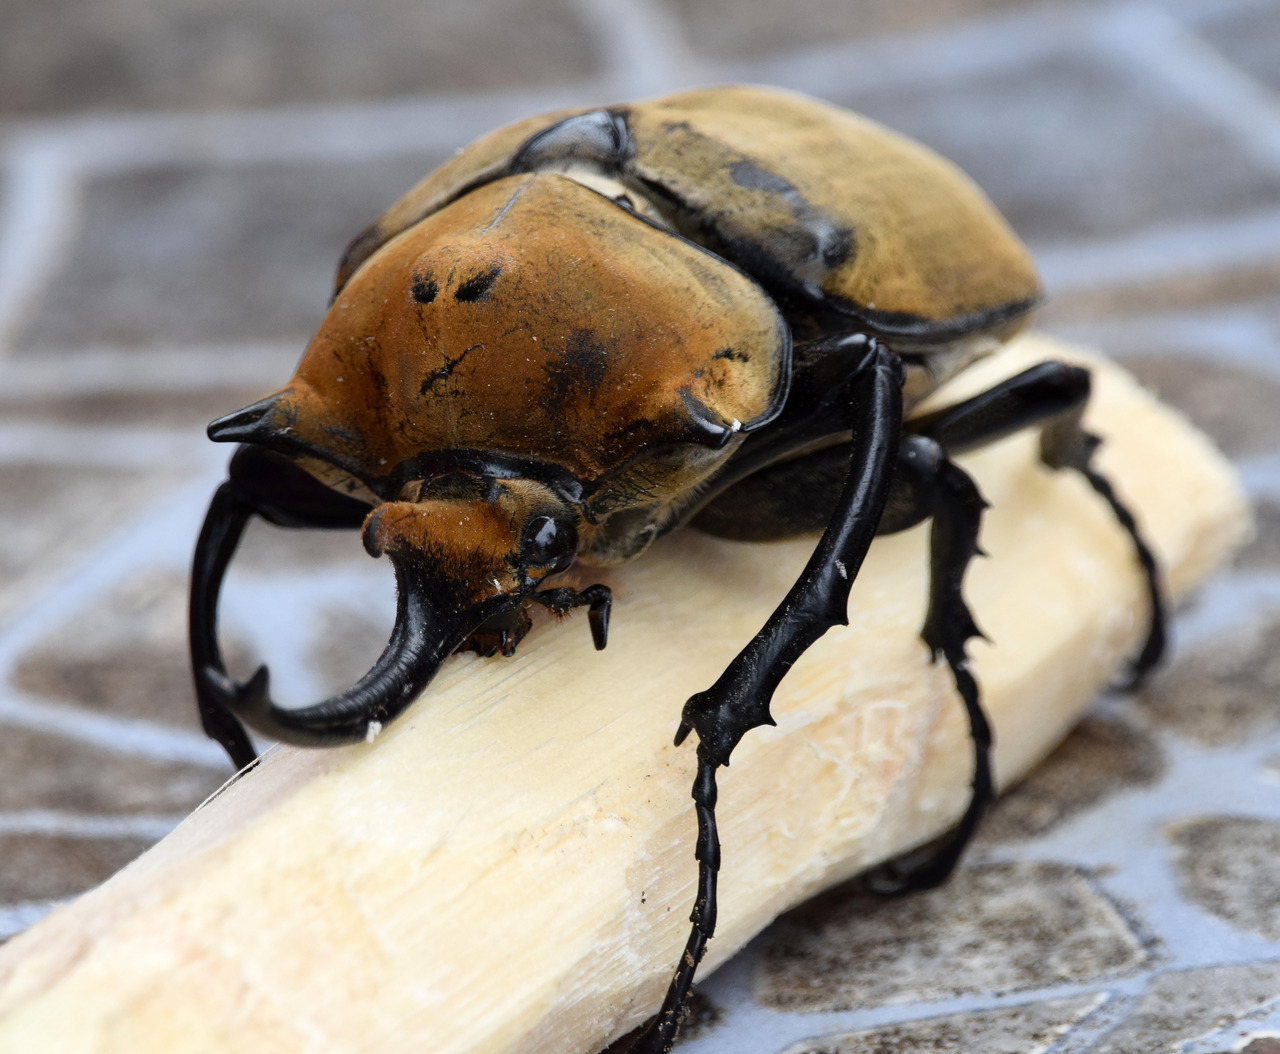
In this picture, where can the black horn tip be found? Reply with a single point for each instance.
(250, 425)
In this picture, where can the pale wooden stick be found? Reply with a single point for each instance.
(510, 866)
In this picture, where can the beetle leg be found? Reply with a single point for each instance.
(597, 599)
(739, 700)
(940, 489)
(224, 523)
(1052, 394)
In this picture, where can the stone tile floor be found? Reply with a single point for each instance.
(176, 182)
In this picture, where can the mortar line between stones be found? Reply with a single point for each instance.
(126, 737)
(1161, 251)
(643, 48)
(56, 823)
(1166, 49)
(39, 213)
(117, 142)
(14, 918)
(161, 532)
(978, 46)
(93, 369)
(126, 446)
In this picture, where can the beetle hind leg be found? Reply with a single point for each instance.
(1066, 444)
(940, 489)
(1053, 395)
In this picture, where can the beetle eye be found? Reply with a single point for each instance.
(550, 543)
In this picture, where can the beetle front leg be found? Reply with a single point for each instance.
(268, 485)
(224, 524)
(739, 700)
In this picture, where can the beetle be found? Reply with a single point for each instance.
(718, 308)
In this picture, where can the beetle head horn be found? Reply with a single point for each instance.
(467, 554)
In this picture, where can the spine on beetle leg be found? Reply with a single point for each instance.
(509, 867)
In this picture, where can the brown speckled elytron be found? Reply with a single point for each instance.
(592, 327)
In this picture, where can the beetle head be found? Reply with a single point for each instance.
(478, 547)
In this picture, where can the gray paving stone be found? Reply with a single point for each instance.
(700, 1017)
(51, 514)
(1223, 691)
(1255, 283)
(1081, 146)
(1250, 38)
(991, 929)
(1026, 1029)
(42, 867)
(1226, 865)
(58, 55)
(267, 549)
(346, 645)
(752, 28)
(188, 255)
(1263, 553)
(1185, 1005)
(190, 410)
(48, 772)
(125, 655)
(1235, 405)
(1102, 756)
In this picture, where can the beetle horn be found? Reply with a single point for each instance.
(258, 422)
(426, 633)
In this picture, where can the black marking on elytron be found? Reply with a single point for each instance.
(581, 366)
(476, 288)
(816, 236)
(425, 288)
(600, 137)
(732, 354)
(446, 371)
(811, 311)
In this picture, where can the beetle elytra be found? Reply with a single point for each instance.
(717, 309)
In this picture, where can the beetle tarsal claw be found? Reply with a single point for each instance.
(597, 599)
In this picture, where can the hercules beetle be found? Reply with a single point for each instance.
(589, 328)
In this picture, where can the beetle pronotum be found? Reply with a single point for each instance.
(587, 329)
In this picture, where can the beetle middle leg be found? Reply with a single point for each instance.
(1052, 395)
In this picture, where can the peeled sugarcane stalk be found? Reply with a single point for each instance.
(509, 866)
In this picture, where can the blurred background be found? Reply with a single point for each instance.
(177, 180)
